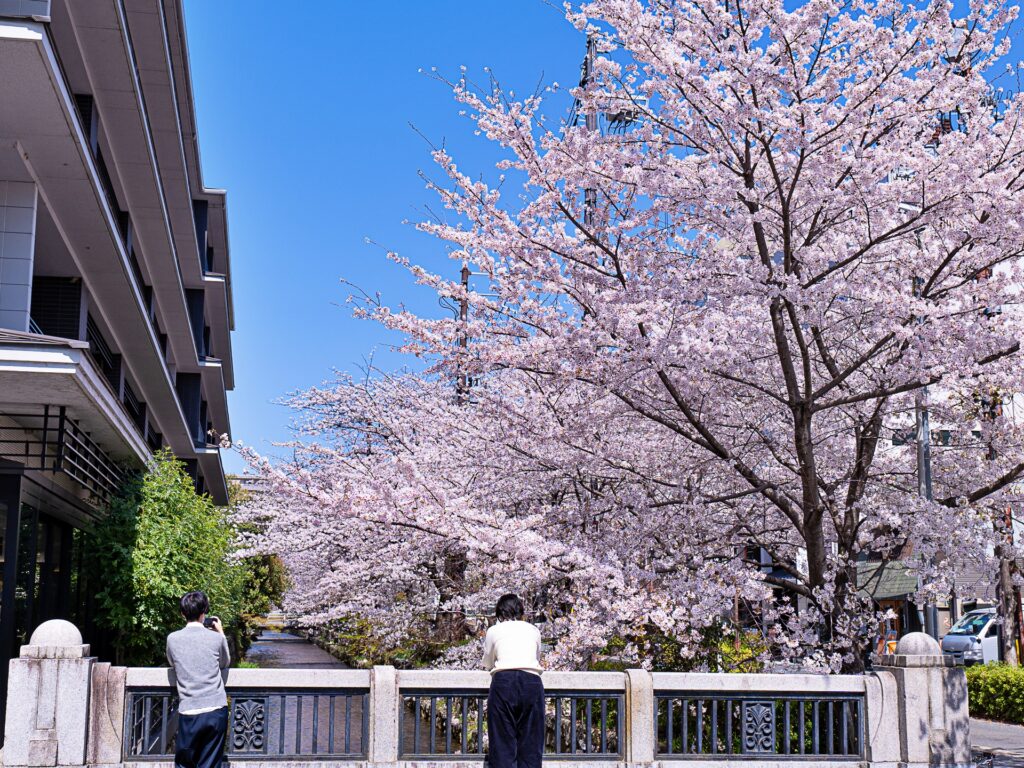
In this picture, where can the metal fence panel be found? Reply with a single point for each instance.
(693, 725)
(325, 724)
(444, 725)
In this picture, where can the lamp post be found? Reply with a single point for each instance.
(924, 486)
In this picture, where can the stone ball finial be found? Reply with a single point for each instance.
(918, 644)
(56, 632)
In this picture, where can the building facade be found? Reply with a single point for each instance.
(115, 295)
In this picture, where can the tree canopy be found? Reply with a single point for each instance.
(704, 332)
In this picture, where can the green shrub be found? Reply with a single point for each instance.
(720, 650)
(996, 691)
(159, 540)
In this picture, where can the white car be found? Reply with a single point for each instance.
(974, 639)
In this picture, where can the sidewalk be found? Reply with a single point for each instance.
(1003, 743)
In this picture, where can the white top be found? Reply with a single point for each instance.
(512, 645)
(201, 711)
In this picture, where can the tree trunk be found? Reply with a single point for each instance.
(846, 591)
(452, 627)
(1006, 594)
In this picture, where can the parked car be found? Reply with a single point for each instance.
(974, 639)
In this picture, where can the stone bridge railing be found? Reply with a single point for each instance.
(67, 709)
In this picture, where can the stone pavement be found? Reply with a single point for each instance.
(274, 650)
(997, 745)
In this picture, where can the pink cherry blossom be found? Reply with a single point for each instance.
(812, 224)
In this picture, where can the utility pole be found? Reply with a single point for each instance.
(589, 194)
(924, 470)
(924, 486)
(462, 385)
(1008, 607)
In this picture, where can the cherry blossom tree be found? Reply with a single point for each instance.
(782, 253)
(404, 504)
(710, 331)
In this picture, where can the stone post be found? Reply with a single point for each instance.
(881, 725)
(106, 714)
(934, 726)
(48, 699)
(639, 717)
(384, 707)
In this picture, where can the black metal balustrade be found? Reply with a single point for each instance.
(755, 726)
(451, 725)
(442, 725)
(262, 725)
(50, 440)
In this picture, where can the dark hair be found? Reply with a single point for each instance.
(509, 608)
(194, 605)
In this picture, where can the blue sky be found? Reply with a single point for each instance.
(304, 119)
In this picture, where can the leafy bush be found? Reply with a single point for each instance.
(266, 581)
(266, 578)
(159, 540)
(721, 649)
(996, 691)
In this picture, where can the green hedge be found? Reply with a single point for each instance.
(996, 691)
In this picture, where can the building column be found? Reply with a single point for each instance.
(10, 505)
(17, 248)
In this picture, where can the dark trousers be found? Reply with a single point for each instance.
(200, 739)
(515, 720)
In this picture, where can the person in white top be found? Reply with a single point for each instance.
(515, 703)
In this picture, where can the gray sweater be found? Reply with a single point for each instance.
(198, 657)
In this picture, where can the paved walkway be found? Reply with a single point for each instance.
(997, 745)
(282, 649)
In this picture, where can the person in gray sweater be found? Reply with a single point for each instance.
(199, 658)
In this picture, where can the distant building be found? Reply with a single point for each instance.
(115, 296)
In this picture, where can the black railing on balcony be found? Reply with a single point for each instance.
(135, 407)
(51, 441)
(108, 362)
(153, 438)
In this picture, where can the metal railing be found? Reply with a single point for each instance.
(385, 716)
(755, 725)
(440, 725)
(50, 440)
(817, 718)
(265, 725)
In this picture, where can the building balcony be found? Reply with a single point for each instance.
(87, 434)
(47, 439)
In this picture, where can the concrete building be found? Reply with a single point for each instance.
(115, 295)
